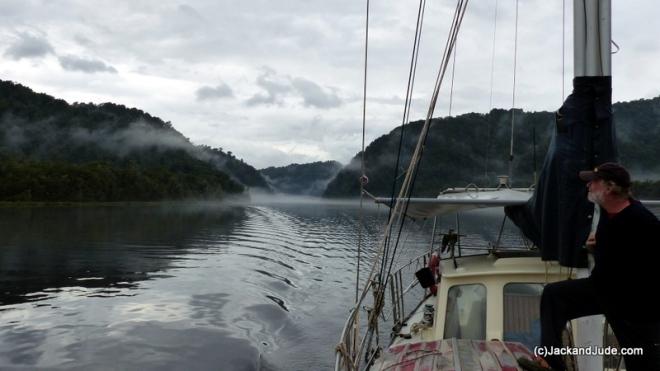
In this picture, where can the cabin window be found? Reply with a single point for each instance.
(466, 312)
(522, 316)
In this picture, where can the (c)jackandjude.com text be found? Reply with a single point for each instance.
(589, 351)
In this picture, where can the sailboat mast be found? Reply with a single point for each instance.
(592, 32)
(592, 35)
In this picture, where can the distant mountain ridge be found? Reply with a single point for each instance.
(474, 148)
(38, 132)
(302, 179)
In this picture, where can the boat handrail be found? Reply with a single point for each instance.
(348, 350)
(346, 342)
(397, 290)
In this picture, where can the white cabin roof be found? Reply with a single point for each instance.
(490, 265)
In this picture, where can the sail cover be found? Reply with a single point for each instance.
(558, 216)
(461, 201)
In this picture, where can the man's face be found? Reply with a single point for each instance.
(596, 191)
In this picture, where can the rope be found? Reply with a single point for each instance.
(513, 99)
(341, 349)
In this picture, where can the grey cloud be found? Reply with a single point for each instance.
(82, 40)
(313, 95)
(190, 12)
(261, 99)
(73, 63)
(29, 46)
(207, 92)
(392, 100)
(276, 88)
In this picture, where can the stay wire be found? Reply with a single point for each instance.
(362, 157)
(513, 95)
(451, 42)
(492, 59)
(362, 182)
(365, 291)
(453, 72)
(379, 295)
(414, 74)
(406, 114)
(404, 192)
(490, 102)
(563, 50)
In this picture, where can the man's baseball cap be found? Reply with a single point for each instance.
(610, 171)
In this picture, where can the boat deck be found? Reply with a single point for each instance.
(454, 355)
(411, 331)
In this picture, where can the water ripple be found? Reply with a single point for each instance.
(270, 260)
(155, 284)
(278, 301)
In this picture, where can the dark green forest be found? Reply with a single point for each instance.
(474, 148)
(54, 151)
(47, 181)
(302, 179)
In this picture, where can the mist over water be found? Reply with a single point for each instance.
(265, 285)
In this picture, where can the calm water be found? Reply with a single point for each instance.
(185, 286)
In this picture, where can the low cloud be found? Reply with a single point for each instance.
(15, 133)
(208, 92)
(73, 63)
(29, 46)
(138, 135)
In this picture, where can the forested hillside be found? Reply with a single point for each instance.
(54, 151)
(302, 179)
(474, 148)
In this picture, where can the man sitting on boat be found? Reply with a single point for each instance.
(624, 282)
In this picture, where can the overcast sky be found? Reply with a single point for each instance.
(278, 82)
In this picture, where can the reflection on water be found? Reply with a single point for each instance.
(185, 286)
(110, 248)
